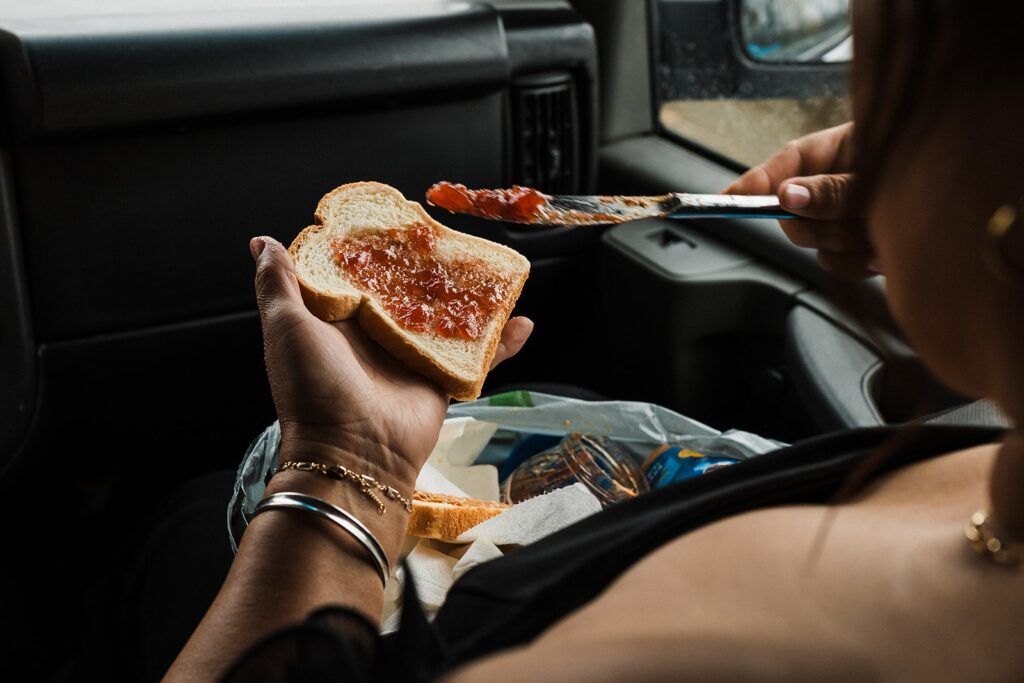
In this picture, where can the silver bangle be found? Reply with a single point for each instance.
(300, 501)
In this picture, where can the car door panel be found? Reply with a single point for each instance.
(144, 150)
(827, 349)
(140, 151)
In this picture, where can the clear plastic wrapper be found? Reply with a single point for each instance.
(507, 418)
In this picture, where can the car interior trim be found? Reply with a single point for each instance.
(17, 360)
(123, 69)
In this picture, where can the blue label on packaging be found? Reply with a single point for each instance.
(670, 464)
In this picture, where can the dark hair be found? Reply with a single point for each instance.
(912, 57)
(898, 66)
(886, 83)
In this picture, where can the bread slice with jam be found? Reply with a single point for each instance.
(435, 298)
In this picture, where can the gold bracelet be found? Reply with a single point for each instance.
(365, 482)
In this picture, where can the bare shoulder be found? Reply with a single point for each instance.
(881, 588)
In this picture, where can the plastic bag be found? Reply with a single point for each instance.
(639, 427)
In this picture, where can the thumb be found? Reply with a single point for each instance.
(276, 286)
(821, 197)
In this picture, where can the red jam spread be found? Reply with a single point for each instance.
(517, 205)
(453, 299)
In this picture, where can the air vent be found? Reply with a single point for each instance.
(546, 153)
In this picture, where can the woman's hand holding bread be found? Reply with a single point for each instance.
(337, 392)
(342, 400)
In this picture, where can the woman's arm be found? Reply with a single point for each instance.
(288, 564)
(340, 400)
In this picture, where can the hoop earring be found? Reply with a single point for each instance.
(993, 252)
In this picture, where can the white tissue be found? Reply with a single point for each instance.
(433, 481)
(434, 565)
(536, 518)
(432, 574)
(460, 442)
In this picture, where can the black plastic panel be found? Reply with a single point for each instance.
(146, 158)
(539, 39)
(832, 371)
(17, 361)
(141, 160)
(652, 165)
(75, 73)
(158, 398)
(699, 327)
(130, 231)
(674, 251)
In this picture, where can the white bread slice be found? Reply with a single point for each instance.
(457, 365)
(435, 515)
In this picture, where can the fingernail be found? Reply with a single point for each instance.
(256, 246)
(875, 267)
(796, 197)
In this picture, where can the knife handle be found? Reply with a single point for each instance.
(728, 206)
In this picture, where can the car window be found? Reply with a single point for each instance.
(720, 91)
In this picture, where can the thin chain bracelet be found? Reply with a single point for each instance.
(365, 482)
